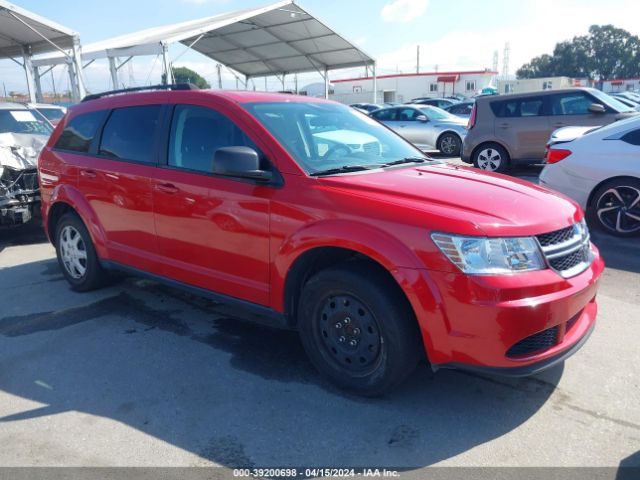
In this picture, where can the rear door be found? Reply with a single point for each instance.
(522, 126)
(213, 231)
(116, 181)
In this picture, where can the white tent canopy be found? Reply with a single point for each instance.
(24, 34)
(276, 40)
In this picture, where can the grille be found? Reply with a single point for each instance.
(572, 321)
(568, 261)
(568, 250)
(554, 238)
(372, 147)
(535, 343)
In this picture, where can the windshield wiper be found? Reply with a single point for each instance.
(406, 160)
(346, 169)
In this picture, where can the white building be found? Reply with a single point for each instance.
(620, 85)
(404, 87)
(526, 85)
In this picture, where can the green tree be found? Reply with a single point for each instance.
(186, 75)
(606, 52)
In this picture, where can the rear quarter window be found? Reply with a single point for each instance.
(632, 137)
(80, 132)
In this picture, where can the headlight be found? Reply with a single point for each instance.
(491, 256)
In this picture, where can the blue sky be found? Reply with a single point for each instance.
(453, 34)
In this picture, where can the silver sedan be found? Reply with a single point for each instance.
(426, 127)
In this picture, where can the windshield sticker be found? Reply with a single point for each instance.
(23, 116)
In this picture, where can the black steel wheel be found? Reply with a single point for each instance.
(358, 329)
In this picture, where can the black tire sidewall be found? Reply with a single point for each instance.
(401, 340)
(504, 163)
(592, 216)
(94, 277)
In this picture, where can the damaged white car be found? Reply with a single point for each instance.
(23, 133)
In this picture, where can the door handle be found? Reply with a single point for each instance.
(505, 125)
(88, 173)
(169, 188)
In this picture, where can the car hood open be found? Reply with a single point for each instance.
(20, 150)
(496, 204)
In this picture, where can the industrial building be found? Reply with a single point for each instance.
(404, 87)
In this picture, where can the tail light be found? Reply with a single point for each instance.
(472, 118)
(557, 155)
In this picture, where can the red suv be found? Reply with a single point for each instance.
(317, 218)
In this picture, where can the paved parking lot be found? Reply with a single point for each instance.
(142, 375)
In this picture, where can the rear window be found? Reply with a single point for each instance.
(131, 133)
(79, 132)
(53, 114)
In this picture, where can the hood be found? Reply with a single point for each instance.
(20, 150)
(463, 199)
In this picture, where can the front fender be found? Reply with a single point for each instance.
(71, 196)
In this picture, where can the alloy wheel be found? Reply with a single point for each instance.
(73, 252)
(489, 159)
(448, 145)
(618, 209)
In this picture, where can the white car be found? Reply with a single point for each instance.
(600, 170)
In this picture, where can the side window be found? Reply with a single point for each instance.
(525, 107)
(131, 133)
(79, 132)
(632, 137)
(196, 134)
(385, 115)
(571, 104)
(531, 107)
(407, 114)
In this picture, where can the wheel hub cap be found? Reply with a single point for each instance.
(618, 209)
(73, 252)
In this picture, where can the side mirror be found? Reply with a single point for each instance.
(242, 162)
(597, 108)
(422, 118)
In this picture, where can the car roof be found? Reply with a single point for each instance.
(509, 96)
(12, 106)
(44, 105)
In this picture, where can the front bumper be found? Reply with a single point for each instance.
(494, 324)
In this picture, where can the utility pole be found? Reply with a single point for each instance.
(505, 61)
(495, 61)
(219, 72)
(418, 60)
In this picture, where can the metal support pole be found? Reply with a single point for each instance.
(166, 65)
(77, 79)
(375, 84)
(36, 77)
(246, 82)
(114, 73)
(283, 77)
(326, 83)
(28, 71)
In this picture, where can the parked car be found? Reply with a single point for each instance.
(630, 95)
(53, 113)
(366, 107)
(627, 101)
(600, 170)
(434, 102)
(23, 133)
(461, 109)
(378, 258)
(506, 130)
(425, 126)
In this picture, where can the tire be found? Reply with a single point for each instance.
(491, 157)
(77, 256)
(450, 145)
(615, 207)
(340, 306)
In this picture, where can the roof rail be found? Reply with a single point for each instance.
(174, 86)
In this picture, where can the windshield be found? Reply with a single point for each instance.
(610, 101)
(23, 121)
(322, 137)
(54, 114)
(435, 113)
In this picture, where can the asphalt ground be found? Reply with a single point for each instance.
(139, 374)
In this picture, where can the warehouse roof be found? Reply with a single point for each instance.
(279, 38)
(19, 27)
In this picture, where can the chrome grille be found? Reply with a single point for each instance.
(567, 251)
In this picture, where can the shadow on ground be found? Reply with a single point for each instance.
(183, 370)
(26, 234)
